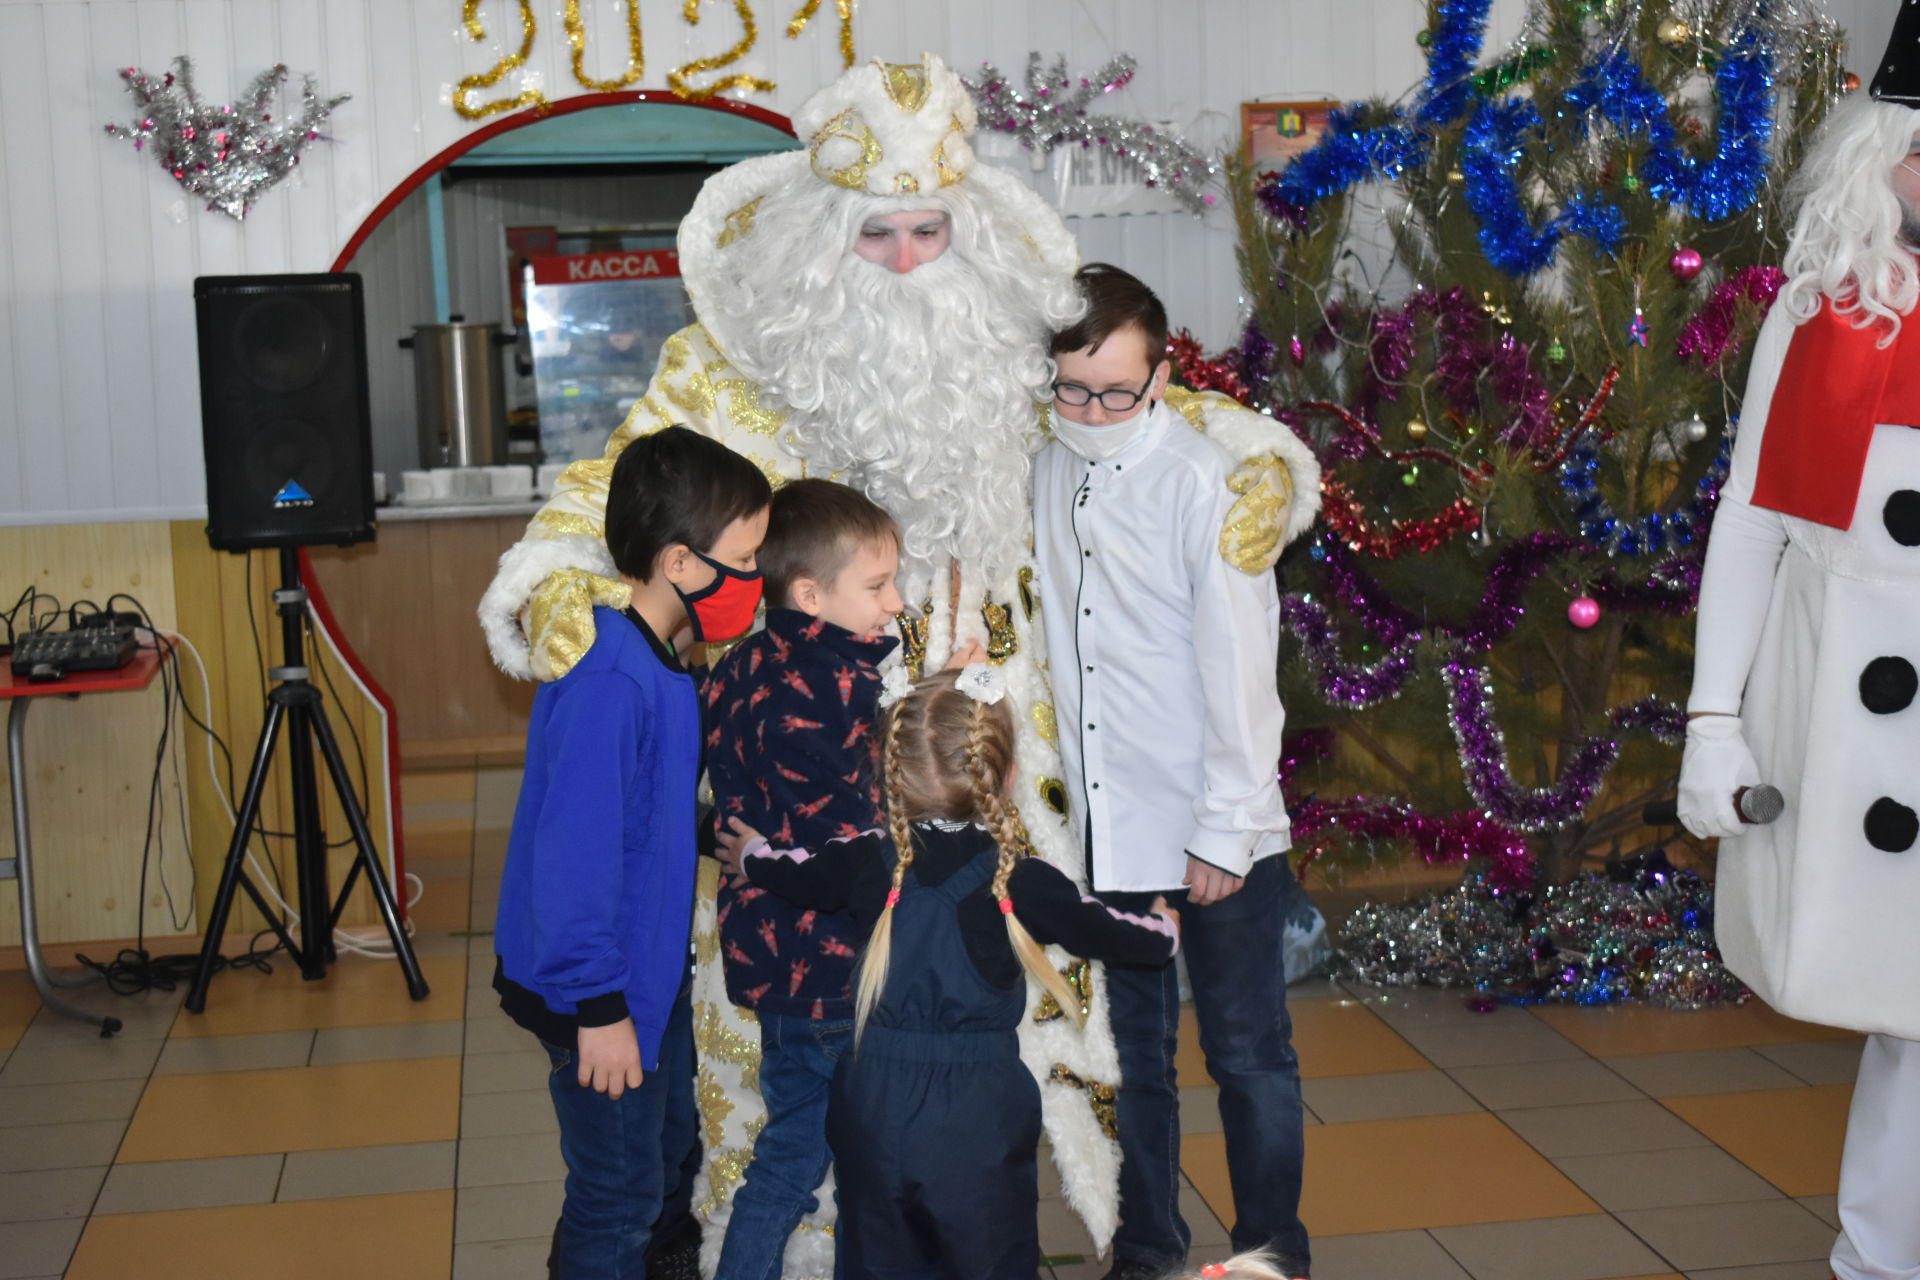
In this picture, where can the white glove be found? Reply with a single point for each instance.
(1715, 764)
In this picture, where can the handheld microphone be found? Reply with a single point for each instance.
(1757, 805)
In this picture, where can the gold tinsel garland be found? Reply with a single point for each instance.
(470, 15)
(636, 50)
(679, 79)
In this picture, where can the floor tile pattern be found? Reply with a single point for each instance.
(337, 1128)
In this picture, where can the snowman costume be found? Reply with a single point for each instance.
(1805, 677)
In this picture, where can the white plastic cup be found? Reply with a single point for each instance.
(512, 481)
(379, 488)
(416, 486)
(550, 476)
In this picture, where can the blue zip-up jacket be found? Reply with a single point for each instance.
(596, 900)
(790, 753)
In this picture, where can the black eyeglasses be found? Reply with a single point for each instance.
(1117, 400)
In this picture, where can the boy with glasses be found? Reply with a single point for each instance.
(1163, 674)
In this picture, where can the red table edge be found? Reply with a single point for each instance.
(137, 674)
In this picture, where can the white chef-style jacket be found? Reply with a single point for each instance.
(1162, 657)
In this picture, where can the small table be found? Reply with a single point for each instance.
(137, 674)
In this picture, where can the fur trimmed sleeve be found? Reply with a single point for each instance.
(1278, 479)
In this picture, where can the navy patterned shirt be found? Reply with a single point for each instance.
(791, 753)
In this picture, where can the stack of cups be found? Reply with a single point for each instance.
(549, 476)
(514, 481)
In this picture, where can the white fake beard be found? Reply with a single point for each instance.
(919, 390)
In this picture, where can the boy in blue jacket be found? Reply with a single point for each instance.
(596, 898)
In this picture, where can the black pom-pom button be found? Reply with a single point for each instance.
(1888, 685)
(1902, 517)
(1891, 826)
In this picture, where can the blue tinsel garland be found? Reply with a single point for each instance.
(1653, 533)
(1354, 150)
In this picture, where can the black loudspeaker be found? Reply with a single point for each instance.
(284, 414)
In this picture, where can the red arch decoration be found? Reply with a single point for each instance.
(411, 183)
(533, 115)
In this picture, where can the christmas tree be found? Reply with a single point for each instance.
(1512, 314)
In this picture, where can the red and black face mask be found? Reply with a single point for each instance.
(723, 608)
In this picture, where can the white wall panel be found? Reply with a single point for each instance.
(99, 248)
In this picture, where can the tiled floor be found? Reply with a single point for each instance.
(338, 1129)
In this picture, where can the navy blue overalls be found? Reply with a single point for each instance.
(934, 1121)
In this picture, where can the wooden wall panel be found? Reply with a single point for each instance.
(91, 760)
(407, 604)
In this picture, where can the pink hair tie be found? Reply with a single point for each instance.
(1006, 906)
(1214, 1270)
(893, 899)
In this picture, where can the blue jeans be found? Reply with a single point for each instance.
(790, 1157)
(624, 1159)
(1234, 952)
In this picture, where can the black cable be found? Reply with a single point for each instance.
(366, 788)
(135, 970)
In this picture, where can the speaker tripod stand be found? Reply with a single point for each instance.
(295, 705)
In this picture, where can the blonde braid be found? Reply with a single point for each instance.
(874, 961)
(1003, 822)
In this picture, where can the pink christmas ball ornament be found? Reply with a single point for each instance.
(1584, 612)
(1685, 263)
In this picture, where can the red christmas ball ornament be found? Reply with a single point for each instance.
(1584, 612)
(1849, 82)
(1685, 263)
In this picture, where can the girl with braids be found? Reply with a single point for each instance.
(933, 1122)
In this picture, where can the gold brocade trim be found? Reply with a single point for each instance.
(1250, 540)
(1099, 1097)
(949, 173)
(706, 946)
(696, 395)
(1002, 641)
(745, 410)
(1029, 597)
(853, 176)
(1079, 976)
(715, 1106)
(913, 640)
(560, 617)
(905, 184)
(724, 1168)
(589, 473)
(739, 224)
(1047, 723)
(677, 350)
(714, 1039)
(1054, 792)
(1189, 405)
(906, 84)
(565, 524)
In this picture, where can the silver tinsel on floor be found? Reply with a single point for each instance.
(1644, 932)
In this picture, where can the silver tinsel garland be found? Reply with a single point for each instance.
(229, 153)
(1644, 933)
(1052, 111)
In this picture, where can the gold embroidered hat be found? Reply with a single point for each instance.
(890, 129)
(883, 136)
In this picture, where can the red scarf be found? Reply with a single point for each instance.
(1835, 386)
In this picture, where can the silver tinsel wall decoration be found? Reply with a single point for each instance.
(1052, 111)
(229, 153)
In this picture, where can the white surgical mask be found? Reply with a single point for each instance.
(1097, 444)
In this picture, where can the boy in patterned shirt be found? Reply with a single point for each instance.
(790, 753)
